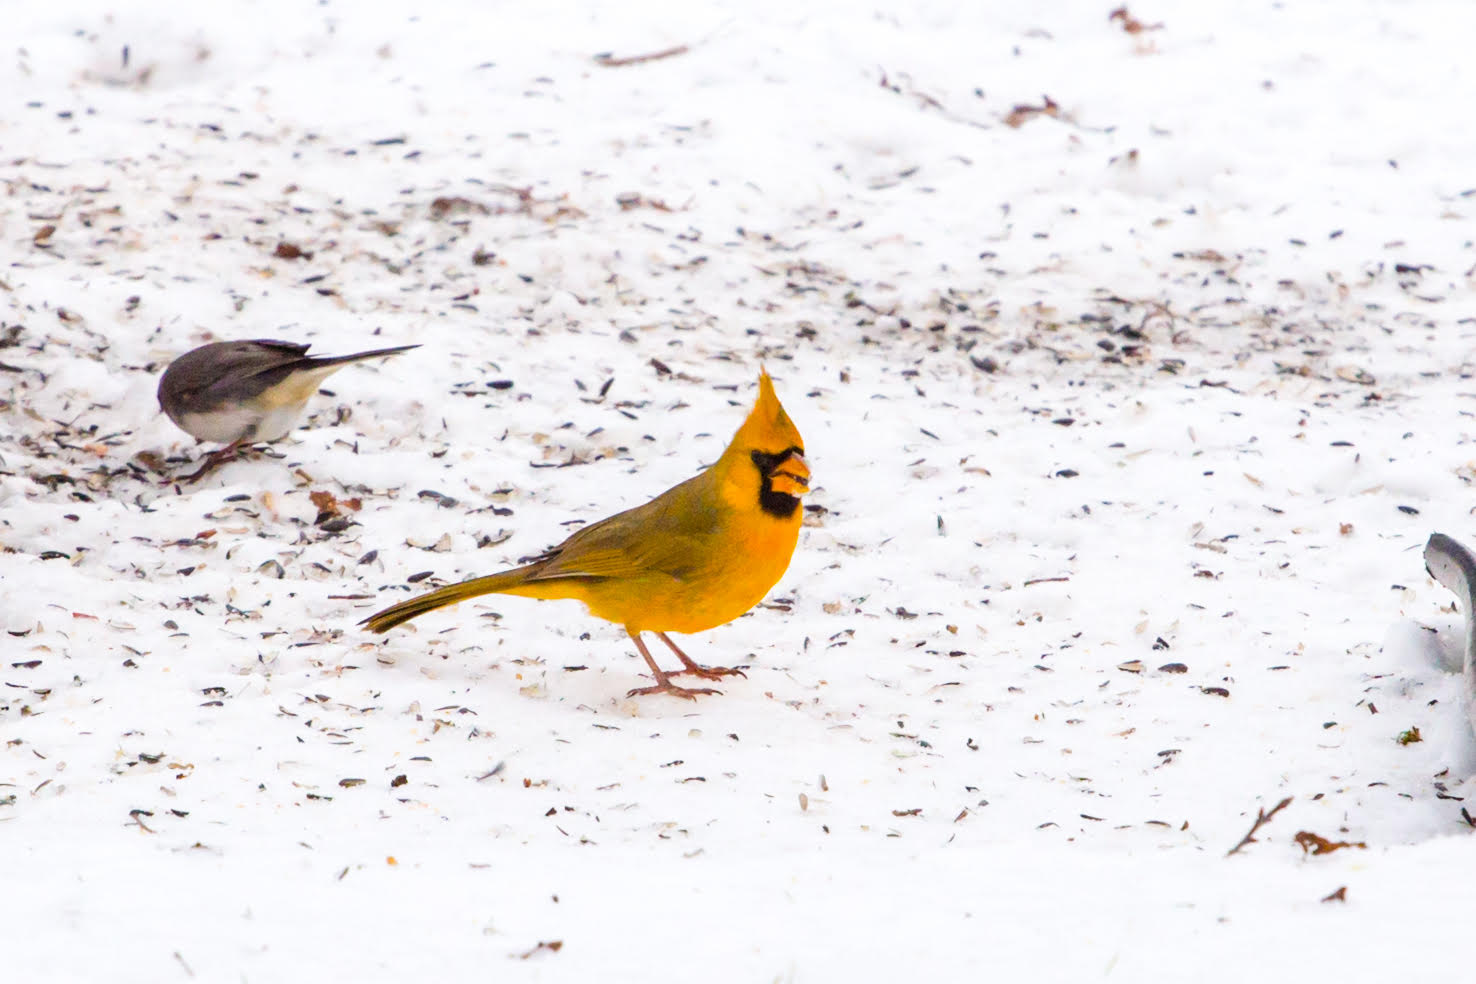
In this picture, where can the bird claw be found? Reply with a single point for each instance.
(711, 672)
(213, 460)
(193, 476)
(667, 687)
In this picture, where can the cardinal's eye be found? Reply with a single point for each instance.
(767, 463)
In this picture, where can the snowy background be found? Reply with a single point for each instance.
(1133, 367)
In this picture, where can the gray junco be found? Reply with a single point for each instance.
(247, 392)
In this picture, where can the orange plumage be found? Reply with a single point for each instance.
(698, 555)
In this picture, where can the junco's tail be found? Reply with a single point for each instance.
(338, 360)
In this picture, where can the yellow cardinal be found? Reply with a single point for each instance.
(698, 555)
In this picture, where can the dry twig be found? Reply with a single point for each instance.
(1262, 818)
(610, 61)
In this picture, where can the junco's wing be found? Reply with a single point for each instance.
(224, 390)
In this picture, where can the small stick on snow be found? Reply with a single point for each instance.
(610, 61)
(1262, 818)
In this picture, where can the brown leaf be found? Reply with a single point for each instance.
(1314, 844)
(551, 946)
(1023, 113)
(330, 505)
(1131, 24)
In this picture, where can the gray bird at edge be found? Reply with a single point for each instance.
(246, 392)
(1453, 565)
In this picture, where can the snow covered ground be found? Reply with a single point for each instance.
(1134, 370)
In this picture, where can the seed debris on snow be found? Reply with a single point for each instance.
(519, 277)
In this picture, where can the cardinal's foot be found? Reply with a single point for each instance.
(710, 672)
(667, 687)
